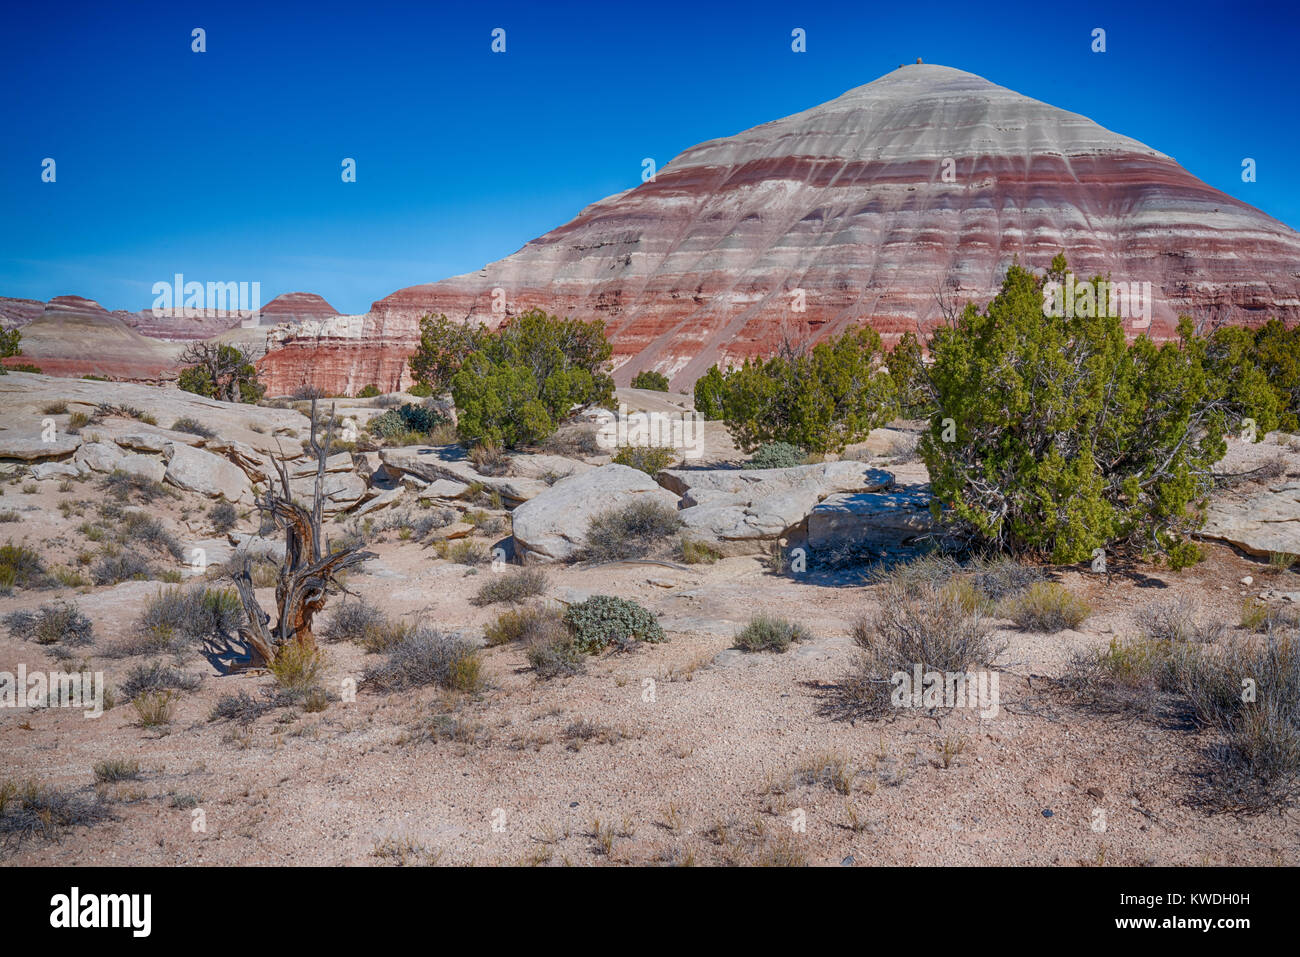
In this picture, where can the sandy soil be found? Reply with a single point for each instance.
(696, 752)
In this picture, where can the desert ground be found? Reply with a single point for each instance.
(689, 751)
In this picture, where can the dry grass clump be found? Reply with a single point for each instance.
(512, 586)
(156, 676)
(427, 657)
(121, 566)
(1177, 619)
(1046, 606)
(128, 486)
(111, 770)
(154, 709)
(691, 551)
(177, 620)
(637, 530)
(55, 623)
(297, 667)
(33, 811)
(918, 624)
(464, 551)
(1243, 689)
(364, 624)
(21, 567)
(766, 632)
(489, 459)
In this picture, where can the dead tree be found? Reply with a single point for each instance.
(308, 571)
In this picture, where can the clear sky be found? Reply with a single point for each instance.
(225, 165)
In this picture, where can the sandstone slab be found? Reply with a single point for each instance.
(1260, 524)
(552, 525)
(869, 517)
(198, 471)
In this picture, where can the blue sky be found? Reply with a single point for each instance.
(225, 165)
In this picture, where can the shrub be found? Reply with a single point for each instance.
(297, 667)
(154, 708)
(649, 459)
(527, 625)
(1175, 620)
(60, 622)
(219, 371)
(443, 348)
(154, 677)
(178, 617)
(365, 624)
(138, 528)
(1046, 606)
(769, 633)
(603, 619)
(427, 657)
(776, 455)
(694, 552)
(124, 486)
(1072, 440)
(1276, 350)
(907, 370)
(821, 400)
(241, 707)
(511, 586)
(21, 566)
(649, 379)
(193, 427)
(554, 656)
(489, 459)
(917, 625)
(116, 769)
(464, 551)
(522, 380)
(368, 392)
(223, 516)
(632, 531)
(30, 810)
(420, 391)
(121, 567)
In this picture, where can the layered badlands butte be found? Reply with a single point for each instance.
(928, 179)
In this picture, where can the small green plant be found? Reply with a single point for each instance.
(694, 552)
(511, 586)
(605, 619)
(649, 459)
(297, 667)
(1046, 606)
(767, 632)
(776, 455)
(116, 769)
(368, 392)
(22, 567)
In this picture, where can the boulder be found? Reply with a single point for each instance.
(49, 470)
(98, 456)
(29, 444)
(443, 488)
(1259, 524)
(341, 490)
(383, 500)
(741, 509)
(150, 466)
(869, 518)
(451, 462)
(198, 471)
(552, 525)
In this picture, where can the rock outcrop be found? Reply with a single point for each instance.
(742, 510)
(552, 525)
(927, 179)
(1261, 524)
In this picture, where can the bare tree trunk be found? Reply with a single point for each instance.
(308, 570)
